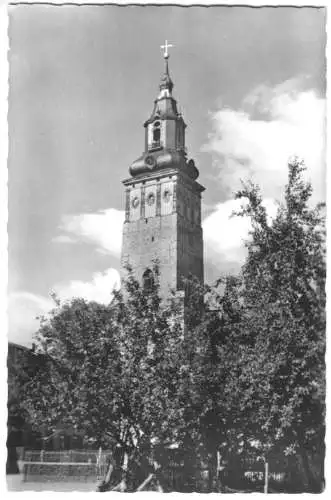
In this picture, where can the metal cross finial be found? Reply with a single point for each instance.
(166, 46)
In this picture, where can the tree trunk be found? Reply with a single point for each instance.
(212, 469)
(314, 484)
(266, 476)
(124, 482)
(104, 486)
(118, 468)
(145, 483)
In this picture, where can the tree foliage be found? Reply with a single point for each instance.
(276, 378)
(245, 373)
(123, 374)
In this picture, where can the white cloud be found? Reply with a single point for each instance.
(63, 238)
(225, 234)
(104, 229)
(271, 125)
(99, 289)
(23, 308)
(255, 142)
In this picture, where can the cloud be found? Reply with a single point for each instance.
(23, 308)
(99, 289)
(271, 125)
(103, 229)
(225, 234)
(254, 141)
(64, 238)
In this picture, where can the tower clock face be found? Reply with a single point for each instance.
(150, 161)
(151, 199)
(135, 202)
(166, 195)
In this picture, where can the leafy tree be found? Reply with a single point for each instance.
(125, 374)
(245, 372)
(276, 383)
(80, 358)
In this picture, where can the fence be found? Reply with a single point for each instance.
(72, 465)
(65, 465)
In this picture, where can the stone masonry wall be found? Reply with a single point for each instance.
(150, 239)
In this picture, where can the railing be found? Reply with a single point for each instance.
(158, 145)
(65, 465)
(77, 456)
(76, 464)
(155, 145)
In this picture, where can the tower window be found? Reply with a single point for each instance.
(148, 281)
(156, 133)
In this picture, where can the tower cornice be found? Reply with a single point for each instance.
(164, 173)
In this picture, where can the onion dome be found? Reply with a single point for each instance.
(161, 160)
(156, 161)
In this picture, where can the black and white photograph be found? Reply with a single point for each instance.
(166, 295)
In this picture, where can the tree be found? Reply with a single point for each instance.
(123, 374)
(79, 356)
(276, 377)
(245, 373)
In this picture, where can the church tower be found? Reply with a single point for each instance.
(163, 200)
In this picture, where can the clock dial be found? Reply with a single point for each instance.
(151, 199)
(135, 202)
(166, 195)
(150, 161)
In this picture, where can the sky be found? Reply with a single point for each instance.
(82, 80)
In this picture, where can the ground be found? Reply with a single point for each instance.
(15, 483)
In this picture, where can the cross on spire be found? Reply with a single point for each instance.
(165, 48)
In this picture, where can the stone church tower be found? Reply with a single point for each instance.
(163, 200)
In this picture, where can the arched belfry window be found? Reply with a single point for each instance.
(156, 132)
(148, 280)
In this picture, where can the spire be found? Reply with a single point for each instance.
(166, 82)
(164, 133)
